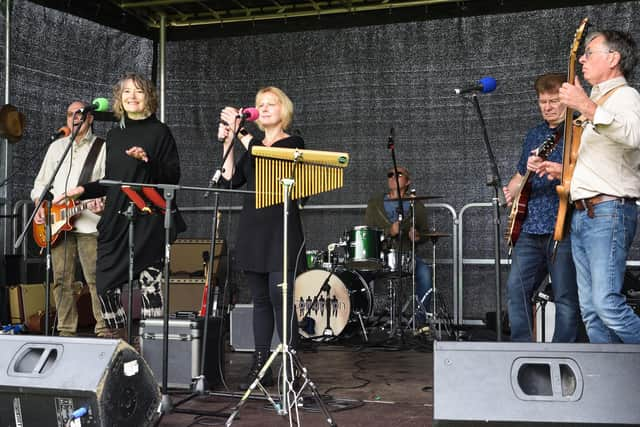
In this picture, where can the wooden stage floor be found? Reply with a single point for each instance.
(381, 385)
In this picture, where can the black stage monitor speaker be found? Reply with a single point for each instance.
(43, 380)
(536, 384)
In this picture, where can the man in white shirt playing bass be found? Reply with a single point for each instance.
(606, 184)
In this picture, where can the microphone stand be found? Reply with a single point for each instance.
(43, 195)
(201, 386)
(391, 146)
(130, 215)
(493, 180)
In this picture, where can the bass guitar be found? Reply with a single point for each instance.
(572, 134)
(521, 197)
(62, 217)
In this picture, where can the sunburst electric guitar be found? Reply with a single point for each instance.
(62, 217)
(521, 197)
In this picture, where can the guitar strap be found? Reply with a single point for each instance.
(582, 119)
(90, 162)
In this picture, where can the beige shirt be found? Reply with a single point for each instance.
(609, 156)
(67, 177)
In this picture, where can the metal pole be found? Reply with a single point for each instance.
(6, 150)
(162, 50)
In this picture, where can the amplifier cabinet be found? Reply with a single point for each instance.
(28, 299)
(241, 324)
(186, 294)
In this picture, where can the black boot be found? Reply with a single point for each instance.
(259, 359)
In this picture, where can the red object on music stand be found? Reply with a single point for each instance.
(150, 195)
(155, 198)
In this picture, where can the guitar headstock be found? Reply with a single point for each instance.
(577, 39)
(547, 146)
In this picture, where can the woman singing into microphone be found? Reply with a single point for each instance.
(259, 246)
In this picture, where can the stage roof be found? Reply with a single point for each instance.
(193, 19)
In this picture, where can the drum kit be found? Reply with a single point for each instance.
(338, 289)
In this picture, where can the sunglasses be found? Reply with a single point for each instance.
(392, 174)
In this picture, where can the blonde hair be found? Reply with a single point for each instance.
(149, 89)
(285, 102)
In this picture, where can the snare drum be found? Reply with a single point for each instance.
(332, 309)
(365, 248)
(393, 262)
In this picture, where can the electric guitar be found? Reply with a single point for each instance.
(521, 197)
(572, 134)
(62, 217)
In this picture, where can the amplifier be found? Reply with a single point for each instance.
(187, 256)
(26, 300)
(241, 324)
(186, 294)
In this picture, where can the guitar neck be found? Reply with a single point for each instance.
(69, 212)
(523, 182)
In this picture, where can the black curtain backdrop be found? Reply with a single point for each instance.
(349, 87)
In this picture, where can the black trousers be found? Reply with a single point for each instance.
(267, 308)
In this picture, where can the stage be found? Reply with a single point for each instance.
(362, 386)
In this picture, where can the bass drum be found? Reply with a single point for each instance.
(326, 313)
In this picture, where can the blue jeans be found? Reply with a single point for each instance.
(600, 247)
(423, 279)
(423, 285)
(530, 264)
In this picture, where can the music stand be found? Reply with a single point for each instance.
(136, 200)
(288, 161)
(169, 191)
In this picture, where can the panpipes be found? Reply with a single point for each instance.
(315, 172)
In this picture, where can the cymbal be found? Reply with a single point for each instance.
(418, 198)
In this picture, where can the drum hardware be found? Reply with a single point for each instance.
(440, 313)
(333, 257)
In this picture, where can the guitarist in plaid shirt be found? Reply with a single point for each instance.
(532, 251)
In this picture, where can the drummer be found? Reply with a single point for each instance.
(382, 212)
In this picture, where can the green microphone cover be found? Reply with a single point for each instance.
(102, 104)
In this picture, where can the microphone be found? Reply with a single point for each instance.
(98, 104)
(61, 133)
(250, 114)
(484, 85)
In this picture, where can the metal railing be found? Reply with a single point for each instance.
(459, 262)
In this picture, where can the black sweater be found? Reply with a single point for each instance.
(163, 167)
(260, 231)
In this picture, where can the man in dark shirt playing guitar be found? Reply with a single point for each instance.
(532, 220)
